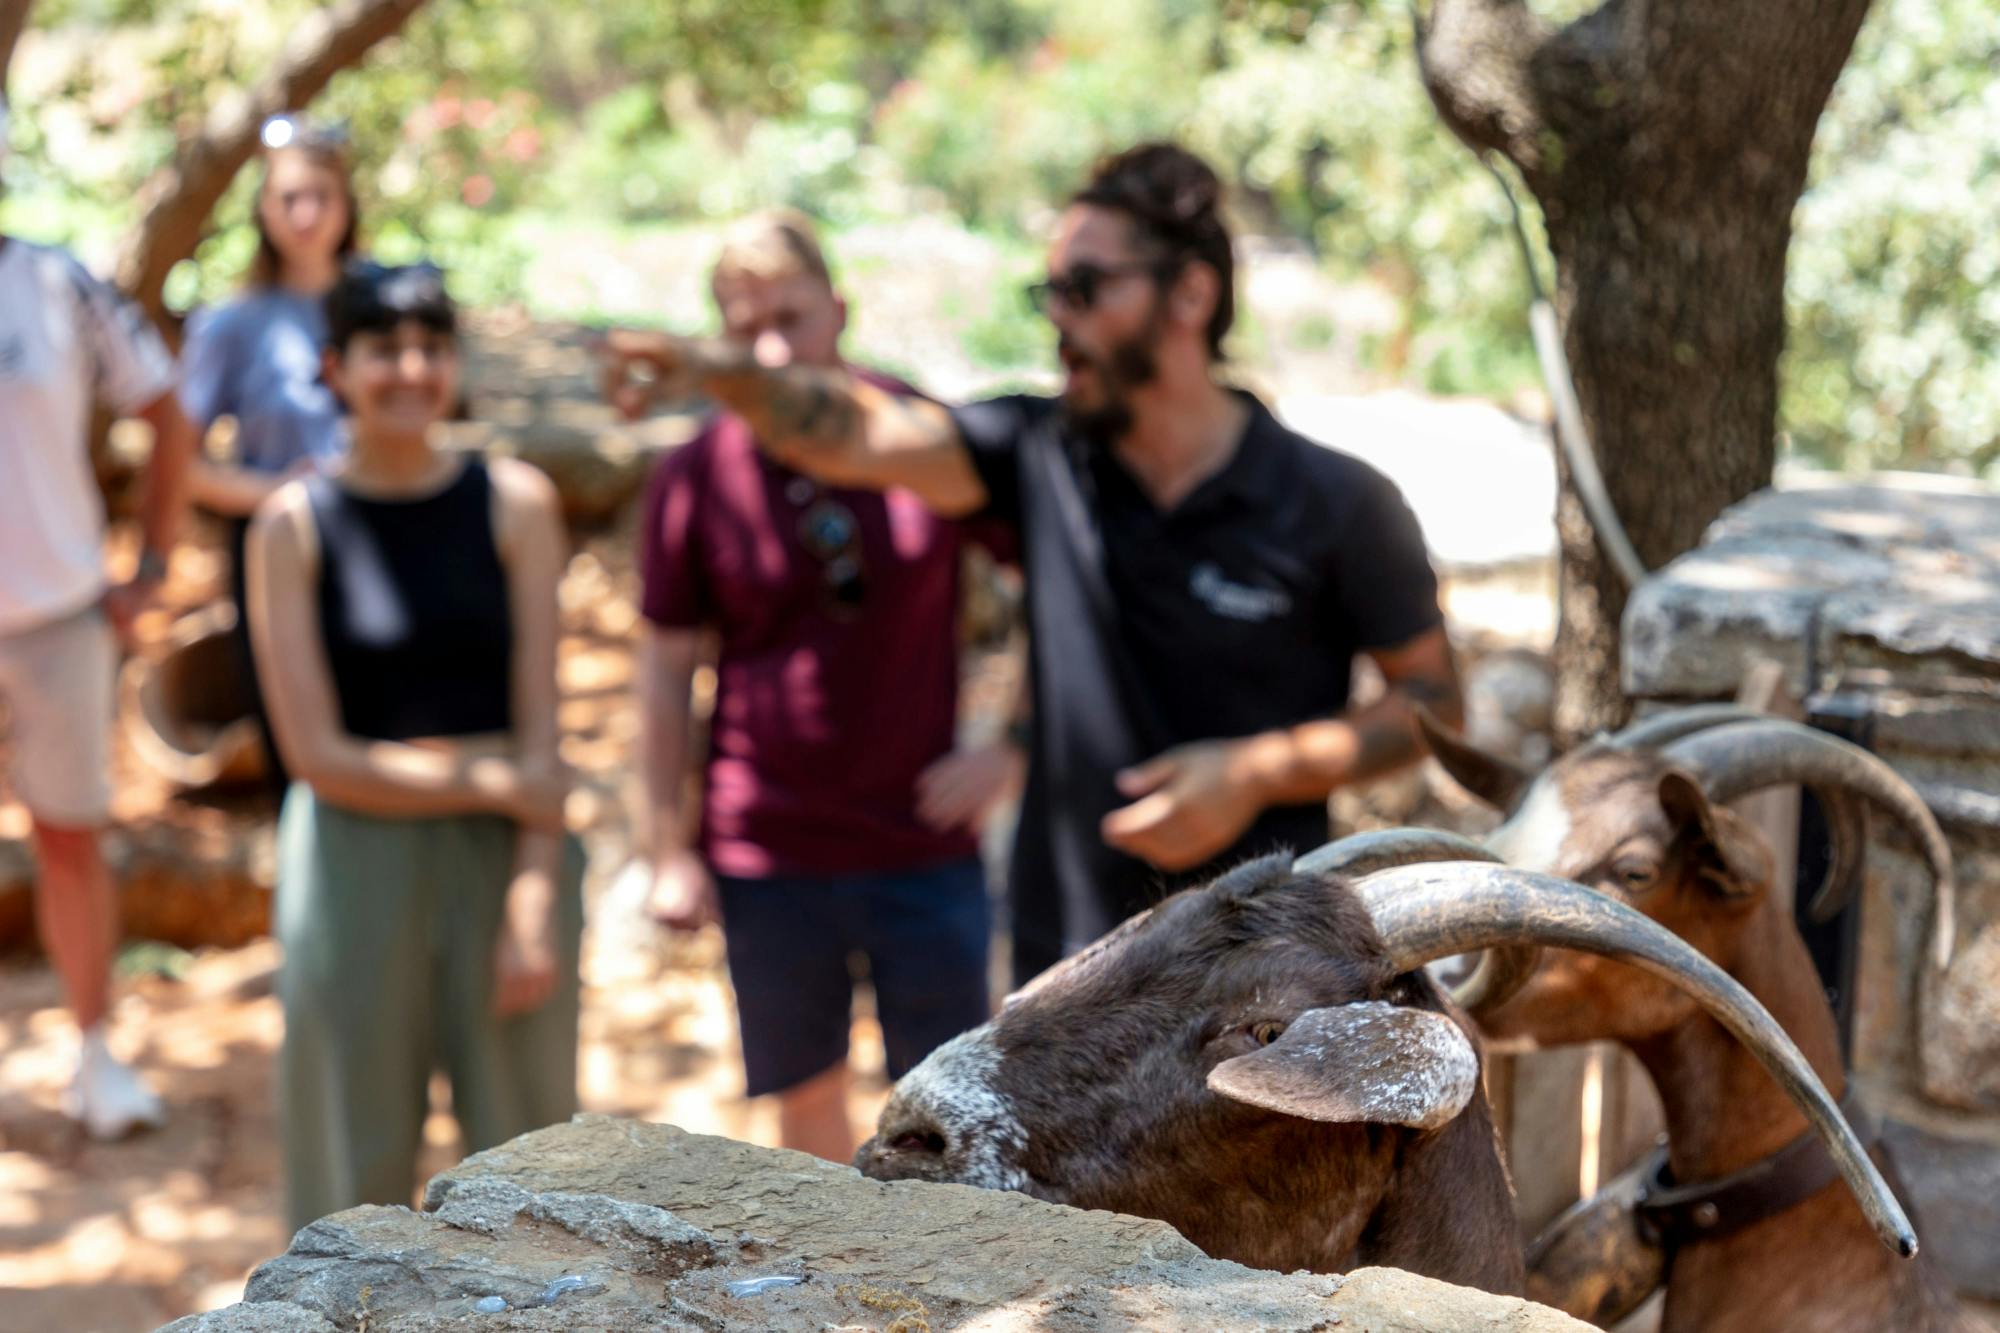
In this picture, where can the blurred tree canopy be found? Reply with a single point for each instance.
(1894, 288)
(481, 111)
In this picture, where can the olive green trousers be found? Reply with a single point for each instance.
(389, 928)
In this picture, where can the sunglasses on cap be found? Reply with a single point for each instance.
(290, 130)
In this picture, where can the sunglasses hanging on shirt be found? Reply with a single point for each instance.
(831, 534)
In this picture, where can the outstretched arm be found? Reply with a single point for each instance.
(825, 422)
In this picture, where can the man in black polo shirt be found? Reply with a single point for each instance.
(1199, 577)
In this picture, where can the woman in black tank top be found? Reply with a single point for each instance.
(403, 612)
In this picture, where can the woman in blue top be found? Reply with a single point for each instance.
(257, 358)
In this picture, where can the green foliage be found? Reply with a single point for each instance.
(1001, 141)
(1894, 284)
(1327, 124)
(1008, 335)
(493, 131)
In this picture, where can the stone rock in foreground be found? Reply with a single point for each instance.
(616, 1224)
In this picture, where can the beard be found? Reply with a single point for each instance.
(1124, 367)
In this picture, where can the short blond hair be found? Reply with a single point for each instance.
(777, 243)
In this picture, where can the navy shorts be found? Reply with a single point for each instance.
(925, 934)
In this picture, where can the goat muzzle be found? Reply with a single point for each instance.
(1426, 912)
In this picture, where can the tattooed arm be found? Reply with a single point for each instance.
(825, 422)
(1195, 800)
(1308, 761)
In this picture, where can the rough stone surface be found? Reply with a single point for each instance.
(252, 1319)
(1955, 1170)
(1902, 573)
(658, 1223)
(1961, 1026)
(532, 391)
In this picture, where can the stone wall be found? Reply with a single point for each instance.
(616, 1224)
(1881, 602)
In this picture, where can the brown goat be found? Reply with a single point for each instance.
(1264, 1064)
(1639, 819)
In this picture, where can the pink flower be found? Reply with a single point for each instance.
(524, 144)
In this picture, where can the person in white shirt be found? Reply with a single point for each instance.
(66, 341)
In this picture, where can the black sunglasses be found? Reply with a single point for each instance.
(1079, 288)
(829, 532)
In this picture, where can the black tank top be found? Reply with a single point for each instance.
(413, 610)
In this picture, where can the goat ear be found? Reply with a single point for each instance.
(1730, 856)
(1498, 782)
(1370, 1063)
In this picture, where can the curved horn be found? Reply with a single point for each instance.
(1500, 972)
(1744, 757)
(1662, 728)
(1433, 911)
(1846, 816)
(1360, 854)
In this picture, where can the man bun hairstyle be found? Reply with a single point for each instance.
(1174, 200)
(374, 298)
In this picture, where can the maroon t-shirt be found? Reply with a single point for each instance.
(833, 693)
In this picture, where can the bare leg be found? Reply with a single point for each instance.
(76, 909)
(812, 1116)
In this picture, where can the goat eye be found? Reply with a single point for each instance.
(1634, 876)
(1267, 1032)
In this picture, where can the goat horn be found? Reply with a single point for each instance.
(1425, 912)
(1500, 972)
(1662, 728)
(1360, 854)
(1745, 757)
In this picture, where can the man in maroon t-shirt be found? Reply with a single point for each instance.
(835, 817)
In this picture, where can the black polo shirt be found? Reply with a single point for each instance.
(1236, 612)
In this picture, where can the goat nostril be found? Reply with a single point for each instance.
(930, 1142)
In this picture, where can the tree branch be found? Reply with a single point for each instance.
(13, 22)
(180, 197)
(1475, 58)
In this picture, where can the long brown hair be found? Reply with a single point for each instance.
(267, 264)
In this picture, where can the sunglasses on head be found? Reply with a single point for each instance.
(289, 130)
(1079, 288)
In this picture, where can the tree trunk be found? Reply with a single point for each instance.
(180, 197)
(13, 22)
(1667, 142)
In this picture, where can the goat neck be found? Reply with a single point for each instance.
(1723, 1110)
(1818, 1265)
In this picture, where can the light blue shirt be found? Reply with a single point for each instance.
(257, 359)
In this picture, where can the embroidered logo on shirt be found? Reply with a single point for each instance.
(1237, 601)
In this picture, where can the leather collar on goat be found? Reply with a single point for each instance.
(1677, 1215)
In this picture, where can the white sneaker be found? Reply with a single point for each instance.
(107, 1098)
